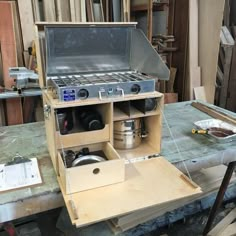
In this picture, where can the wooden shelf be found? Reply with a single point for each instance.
(134, 113)
(83, 138)
(143, 150)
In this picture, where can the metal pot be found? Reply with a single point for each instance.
(87, 159)
(127, 134)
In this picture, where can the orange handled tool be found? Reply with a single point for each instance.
(199, 131)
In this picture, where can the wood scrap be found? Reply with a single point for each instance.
(221, 226)
(199, 93)
(214, 113)
(9, 59)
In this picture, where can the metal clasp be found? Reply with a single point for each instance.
(46, 110)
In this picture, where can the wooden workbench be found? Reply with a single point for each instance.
(29, 140)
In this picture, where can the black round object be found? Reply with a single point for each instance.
(135, 89)
(150, 104)
(83, 93)
(90, 119)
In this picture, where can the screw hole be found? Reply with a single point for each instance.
(96, 171)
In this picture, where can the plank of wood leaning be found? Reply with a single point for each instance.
(194, 70)
(227, 42)
(181, 38)
(210, 21)
(49, 10)
(77, 10)
(98, 204)
(231, 104)
(221, 226)
(36, 11)
(2, 110)
(214, 113)
(83, 11)
(62, 10)
(27, 22)
(230, 230)
(18, 35)
(9, 59)
(72, 10)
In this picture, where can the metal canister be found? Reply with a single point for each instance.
(127, 134)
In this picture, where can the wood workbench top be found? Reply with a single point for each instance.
(29, 140)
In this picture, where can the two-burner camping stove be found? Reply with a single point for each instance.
(100, 61)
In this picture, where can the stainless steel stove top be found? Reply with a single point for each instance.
(104, 85)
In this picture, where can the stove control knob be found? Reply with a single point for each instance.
(83, 93)
(135, 89)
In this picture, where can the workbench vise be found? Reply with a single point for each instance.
(24, 78)
(26, 84)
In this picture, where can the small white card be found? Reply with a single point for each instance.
(19, 175)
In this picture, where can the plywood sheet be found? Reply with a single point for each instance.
(210, 21)
(9, 59)
(148, 183)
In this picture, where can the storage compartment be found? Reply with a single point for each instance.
(88, 176)
(137, 108)
(143, 141)
(83, 125)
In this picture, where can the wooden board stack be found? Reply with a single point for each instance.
(209, 180)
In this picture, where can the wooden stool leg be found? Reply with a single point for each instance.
(220, 196)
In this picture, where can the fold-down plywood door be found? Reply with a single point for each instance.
(148, 183)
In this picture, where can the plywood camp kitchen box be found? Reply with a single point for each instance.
(105, 71)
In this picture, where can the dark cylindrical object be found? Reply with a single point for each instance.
(65, 120)
(90, 119)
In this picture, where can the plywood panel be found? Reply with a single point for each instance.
(210, 21)
(148, 183)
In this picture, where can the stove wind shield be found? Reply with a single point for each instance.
(104, 60)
